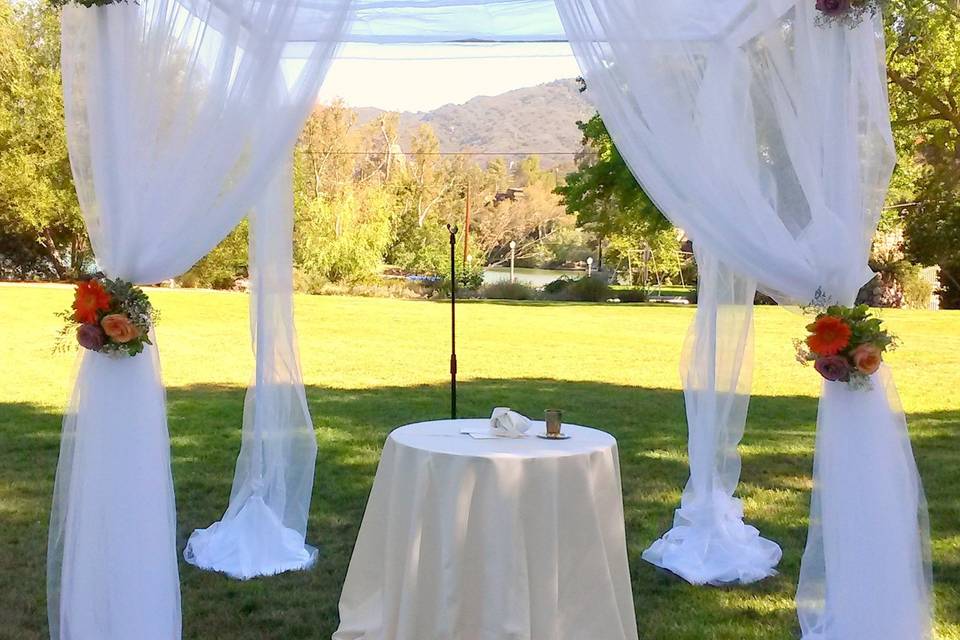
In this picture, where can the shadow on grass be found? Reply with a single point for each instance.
(351, 426)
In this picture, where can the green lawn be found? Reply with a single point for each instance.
(665, 290)
(373, 364)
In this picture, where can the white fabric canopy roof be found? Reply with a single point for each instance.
(426, 21)
(421, 21)
(408, 21)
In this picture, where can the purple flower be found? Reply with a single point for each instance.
(91, 336)
(833, 7)
(833, 368)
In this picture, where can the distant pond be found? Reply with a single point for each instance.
(536, 277)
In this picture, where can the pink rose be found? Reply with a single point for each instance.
(119, 327)
(867, 358)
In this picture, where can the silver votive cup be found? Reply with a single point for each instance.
(554, 420)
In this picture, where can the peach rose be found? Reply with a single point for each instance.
(867, 358)
(118, 327)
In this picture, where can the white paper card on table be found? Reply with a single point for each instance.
(480, 435)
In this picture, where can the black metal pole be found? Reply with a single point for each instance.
(453, 320)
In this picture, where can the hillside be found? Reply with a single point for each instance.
(532, 119)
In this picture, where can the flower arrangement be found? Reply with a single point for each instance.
(846, 344)
(848, 12)
(109, 316)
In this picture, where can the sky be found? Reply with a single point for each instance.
(422, 77)
(400, 54)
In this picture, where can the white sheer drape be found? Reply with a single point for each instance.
(709, 542)
(176, 122)
(264, 527)
(866, 568)
(767, 138)
(111, 561)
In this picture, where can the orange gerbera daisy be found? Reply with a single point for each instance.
(90, 297)
(829, 336)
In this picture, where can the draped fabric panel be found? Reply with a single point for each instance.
(866, 568)
(111, 559)
(176, 123)
(766, 136)
(709, 542)
(263, 529)
(779, 137)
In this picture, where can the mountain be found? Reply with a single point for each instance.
(513, 124)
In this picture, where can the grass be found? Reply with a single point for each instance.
(373, 364)
(665, 290)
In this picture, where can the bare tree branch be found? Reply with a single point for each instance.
(918, 120)
(933, 101)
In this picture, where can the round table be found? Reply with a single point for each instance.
(499, 539)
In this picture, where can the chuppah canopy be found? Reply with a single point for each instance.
(760, 131)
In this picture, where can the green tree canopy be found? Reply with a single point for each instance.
(923, 67)
(41, 231)
(603, 193)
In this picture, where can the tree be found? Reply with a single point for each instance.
(529, 215)
(603, 193)
(607, 200)
(224, 265)
(425, 181)
(932, 229)
(343, 239)
(430, 192)
(41, 230)
(923, 68)
(646, 258)
(342, 216)
(497, 175)
(326, 147)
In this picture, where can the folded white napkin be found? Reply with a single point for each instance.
(508, 424)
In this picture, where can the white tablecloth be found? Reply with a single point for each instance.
(503, 539)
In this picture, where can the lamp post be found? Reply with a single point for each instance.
(647, 256)
(589, 266)
(513, 255)
(453, 320)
